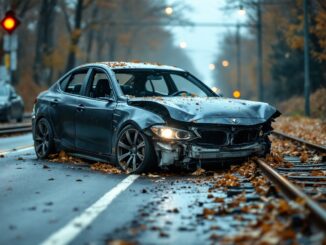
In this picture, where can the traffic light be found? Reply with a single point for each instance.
(9, 23)
(236, 94)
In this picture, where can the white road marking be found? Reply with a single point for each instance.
(17, 149)
(67, 233)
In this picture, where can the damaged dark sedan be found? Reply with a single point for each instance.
(141, 115)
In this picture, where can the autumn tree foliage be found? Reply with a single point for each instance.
(282, 32)
(287, 71)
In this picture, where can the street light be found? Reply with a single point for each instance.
(182, 44)
(211, 67)
(241, 11)
(169, 10)
(225, 63)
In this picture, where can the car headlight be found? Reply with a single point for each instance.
(172, 133)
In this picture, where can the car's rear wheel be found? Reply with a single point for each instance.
(43, 139)
(134, 151)
(8, 117)
(20, 118)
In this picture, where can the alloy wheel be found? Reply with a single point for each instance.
(131, 150)
(42, 139)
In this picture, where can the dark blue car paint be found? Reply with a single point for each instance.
(95, 129)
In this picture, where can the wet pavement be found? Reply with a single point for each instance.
(40, 198)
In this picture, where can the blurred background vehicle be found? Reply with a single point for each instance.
(11, 104)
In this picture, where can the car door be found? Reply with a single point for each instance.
(94, 119)
(65, 105)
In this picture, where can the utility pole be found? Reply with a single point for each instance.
(306, 60)
(238, 44)
(260, 84)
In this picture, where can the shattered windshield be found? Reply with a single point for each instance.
(142, 83)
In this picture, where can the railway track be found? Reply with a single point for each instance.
(310, 145)
(15, 129)
(25, 127)
(301, 181)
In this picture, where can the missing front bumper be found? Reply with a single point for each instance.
(176, 153)
(197, 152)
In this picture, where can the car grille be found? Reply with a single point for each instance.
(213, 137)
(245, 136)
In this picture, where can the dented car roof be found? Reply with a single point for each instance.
(137, 65)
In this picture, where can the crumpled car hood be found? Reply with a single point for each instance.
(210, 110)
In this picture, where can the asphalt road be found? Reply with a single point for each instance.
(44, 202)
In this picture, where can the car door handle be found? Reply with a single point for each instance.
(80, 107)
(54, 102)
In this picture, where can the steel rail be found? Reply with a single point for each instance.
(317, 213)
(316, 147)
(13, 129)
(27, 115)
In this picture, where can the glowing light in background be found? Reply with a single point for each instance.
(236, 94)
(241, 11)
(225, 63)
(169, 10)
(9, 23)
(183, 44)
(211, 67)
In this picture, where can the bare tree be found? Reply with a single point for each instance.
(44, 42)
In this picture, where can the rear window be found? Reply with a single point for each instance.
(73, 83)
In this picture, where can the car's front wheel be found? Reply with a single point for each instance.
(134, 151)
(43, 139)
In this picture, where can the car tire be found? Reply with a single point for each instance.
(134, 151)
(43, 139)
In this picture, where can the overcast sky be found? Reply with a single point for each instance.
(203, 42)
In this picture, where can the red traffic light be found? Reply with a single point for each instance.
(9, 23)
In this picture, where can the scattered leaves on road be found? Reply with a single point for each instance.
(105, 168)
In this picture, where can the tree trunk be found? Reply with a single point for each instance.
(44, 41)
(75, 36)
(91, 35)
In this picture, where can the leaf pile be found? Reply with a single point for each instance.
(105, 168)
(310, 129)
(63, 157)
